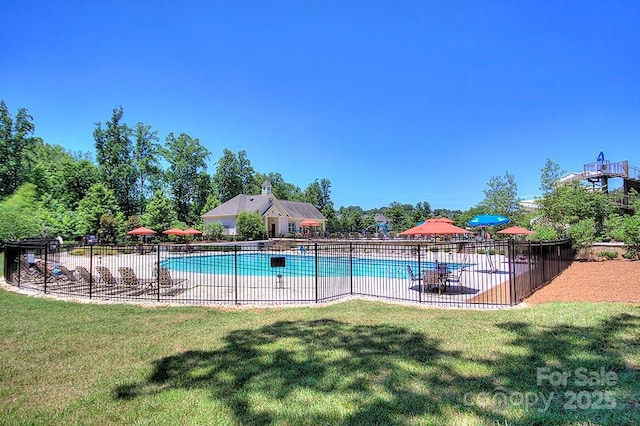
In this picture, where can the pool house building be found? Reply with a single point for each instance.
(281, 217)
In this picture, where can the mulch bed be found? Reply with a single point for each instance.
(605, 281)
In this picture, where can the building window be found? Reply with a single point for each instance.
(292, 227)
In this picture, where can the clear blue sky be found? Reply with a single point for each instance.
(403, 101)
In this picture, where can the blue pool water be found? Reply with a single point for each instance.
(296, 265)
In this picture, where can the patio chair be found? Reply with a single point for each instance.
(106, 276)
(28, 272)
(84, 274)
(45, 272)
(67, 273)
(132, 282)
(412, 276)
(169, 283)
(432, 280)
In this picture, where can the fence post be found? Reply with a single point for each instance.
(511, 255)
(157, 270)
(543, 258)
(235, 273)
(315, 250)
(420, 276)
(351, 268)
(90, 271)
(19, 251)
(46, 266)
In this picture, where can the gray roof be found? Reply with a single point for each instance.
(299, 210)
(261, 203)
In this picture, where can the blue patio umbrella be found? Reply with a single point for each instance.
(488, 220)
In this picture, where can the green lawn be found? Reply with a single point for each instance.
(349, 363)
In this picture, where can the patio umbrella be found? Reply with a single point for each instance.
(141, 231)
(435, 228)
(309, 223)
(192, 231)
(174, 231)
(488, 220)
(516, 230)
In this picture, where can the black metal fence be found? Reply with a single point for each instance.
(461, 273)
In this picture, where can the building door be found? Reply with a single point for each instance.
(273, 230)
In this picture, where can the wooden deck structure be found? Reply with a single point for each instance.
(599, 172)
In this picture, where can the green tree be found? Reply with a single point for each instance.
(99, 200)
(631, 239)
(15, 145)
(247, 175)
(227, 177)
(147, 163)
(501, 196)
(61, 175)
(211, 203)
(572, 203)
(614, 227)
(318, 193)
(544, 232)
(160, 213)
(251, 226)
(401, 216)
(626, 228)
(451, 214)
(550, 174)
(108, 229)
(280, 188)
(114, 153)
(423, 210)
(634, 201)
(20, 216)
(58, 219)
(351, 218)
(187, 161)
(204, 192)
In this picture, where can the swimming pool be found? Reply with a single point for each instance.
(296, 265)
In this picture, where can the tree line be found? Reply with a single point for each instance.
(137, 179)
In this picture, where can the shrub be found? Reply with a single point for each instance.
(213, 231)
(79, 251)
(608, 254)
(583, 235)
(251, 226)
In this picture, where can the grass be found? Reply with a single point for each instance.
(351, 363)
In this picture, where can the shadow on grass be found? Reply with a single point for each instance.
(593, 360)
(327, 372)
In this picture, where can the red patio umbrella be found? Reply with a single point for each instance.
(192, 231)
(435, 228)
(141, 231)
(174, 231)
(516, 230)
(310, 223)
